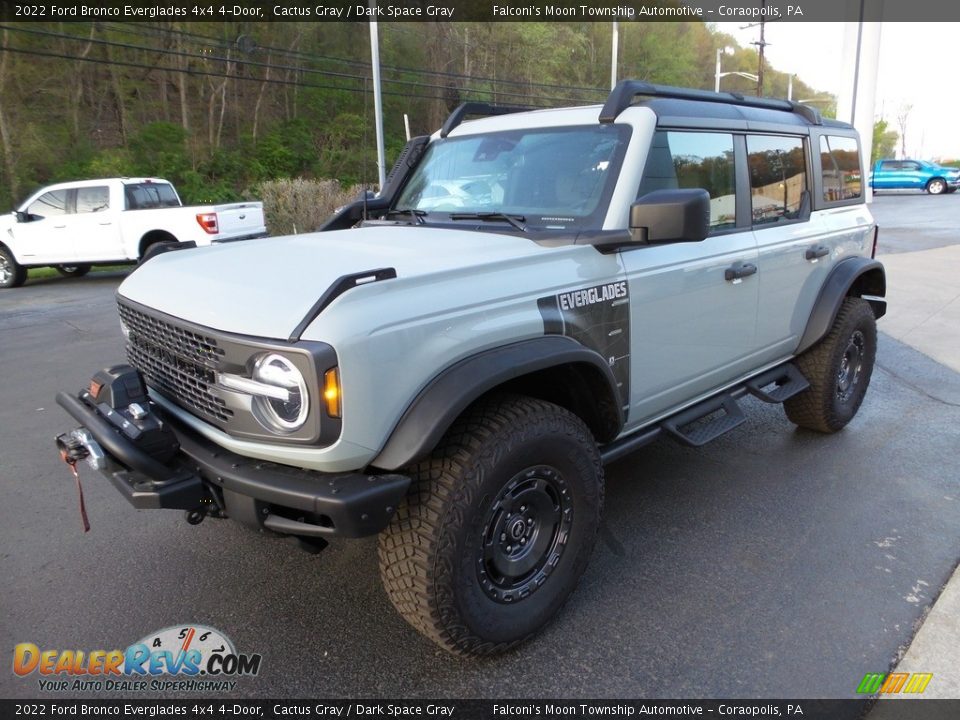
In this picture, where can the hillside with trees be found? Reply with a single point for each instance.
(221, 108)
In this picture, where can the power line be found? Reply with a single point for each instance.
(315, 56)
(268, 66)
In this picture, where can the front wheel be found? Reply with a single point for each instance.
(12, 273)
(72, 270)
(838, 369)
(936, 186)
(497, 528)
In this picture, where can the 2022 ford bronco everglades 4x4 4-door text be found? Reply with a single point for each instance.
(451, 363)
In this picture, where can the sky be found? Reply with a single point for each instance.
(915, 69)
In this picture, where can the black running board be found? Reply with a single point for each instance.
(786, 380)
(711, 418)
(705, 421)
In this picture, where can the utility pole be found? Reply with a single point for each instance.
(761, 44)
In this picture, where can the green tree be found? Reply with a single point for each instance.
(884, 140)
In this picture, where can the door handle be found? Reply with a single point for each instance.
(816, 252)
(738, 271)
(109, 222)
(59, 227)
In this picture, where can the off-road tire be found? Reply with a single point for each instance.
(12, 273)
(72, 270)
(936, 186)
(838, 369)
(434, 560)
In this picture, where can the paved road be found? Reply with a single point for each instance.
(911, 220)
(772, 563)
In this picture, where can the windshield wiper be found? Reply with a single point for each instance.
(515, 220)
(418, 215)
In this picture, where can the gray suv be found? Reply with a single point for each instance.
(450, 364)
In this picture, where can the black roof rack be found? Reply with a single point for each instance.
(621, 97)
(478, 108)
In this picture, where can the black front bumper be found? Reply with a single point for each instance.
(204, 477)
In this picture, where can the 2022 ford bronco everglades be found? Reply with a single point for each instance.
(450, 364)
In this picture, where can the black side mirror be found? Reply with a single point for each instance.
(21, 216)
(671, 216)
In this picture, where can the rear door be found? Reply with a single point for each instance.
(798, 249)
(889, 175)
(795, 252)
(93, 226)
(692, 329)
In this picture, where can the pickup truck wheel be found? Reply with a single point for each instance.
(497, 528)
(72, 270)
(838, 369)
(12, 274)
(156, 248)
(936, 186)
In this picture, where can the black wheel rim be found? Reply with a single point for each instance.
(524, 535)
(851, 367)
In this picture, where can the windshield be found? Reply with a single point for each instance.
(551, 177)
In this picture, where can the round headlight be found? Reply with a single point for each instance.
(281, 416)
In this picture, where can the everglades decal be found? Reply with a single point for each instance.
(598, 318)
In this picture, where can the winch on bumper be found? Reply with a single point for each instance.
(157, 463)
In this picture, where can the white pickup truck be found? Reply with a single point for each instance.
(74, 225)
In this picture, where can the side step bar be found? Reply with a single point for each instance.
(711, 418)
(786, 380)
(691, 427)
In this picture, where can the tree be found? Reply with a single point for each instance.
(884, 140)
(902, 116)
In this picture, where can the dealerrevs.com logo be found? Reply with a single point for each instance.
(185, 657)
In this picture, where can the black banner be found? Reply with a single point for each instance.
(482, 10)
(218, 709)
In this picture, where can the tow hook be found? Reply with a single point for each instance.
(78, 445)
(75, 446)
(209, 509)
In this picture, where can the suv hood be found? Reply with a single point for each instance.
(266, 287)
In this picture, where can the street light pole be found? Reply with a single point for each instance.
(717, 74)
(615, 50)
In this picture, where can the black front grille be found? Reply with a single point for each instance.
(178, 362)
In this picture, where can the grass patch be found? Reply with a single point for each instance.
(49, 272)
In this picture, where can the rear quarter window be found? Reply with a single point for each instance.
(840, 168)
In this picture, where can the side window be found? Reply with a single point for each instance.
(680, 160)
(890, 165)
(93, 199)
(148, 196)
(840, 166)
(51, 204)
(778, 177)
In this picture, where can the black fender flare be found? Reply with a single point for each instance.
(860, 276)
(449, 393)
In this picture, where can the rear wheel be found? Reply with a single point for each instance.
(936, 186)
(12, 273)
(72, 270)
(157, 248)
(838, 369)
(497, 528)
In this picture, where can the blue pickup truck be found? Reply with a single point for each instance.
(915, 175)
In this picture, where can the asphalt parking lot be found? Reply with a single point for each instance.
(772, 563)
